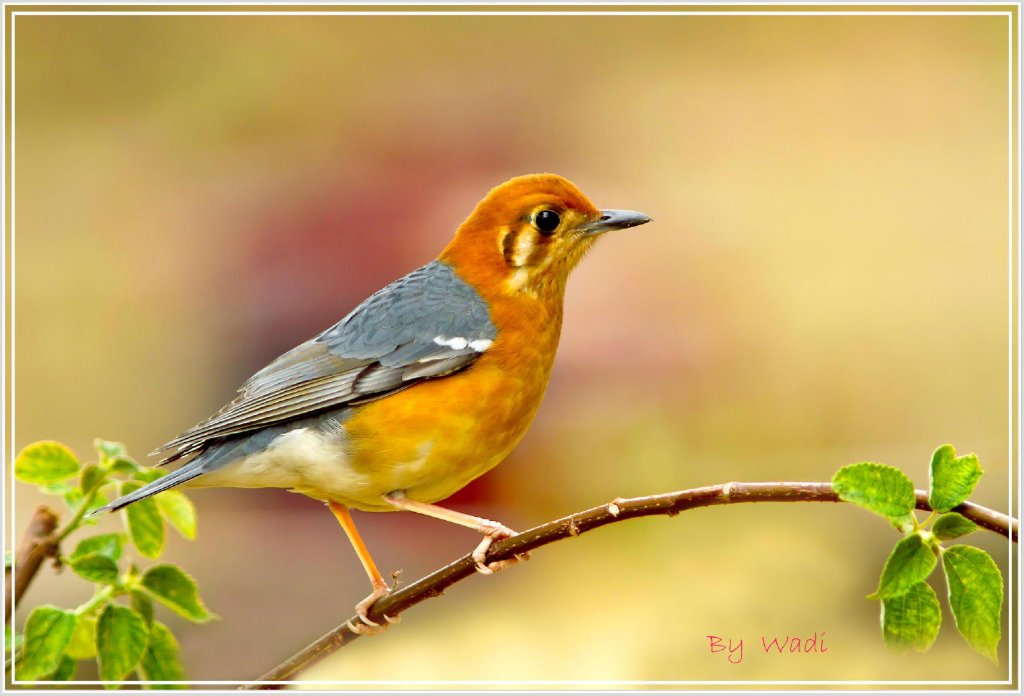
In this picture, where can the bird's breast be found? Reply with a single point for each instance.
(432, 439)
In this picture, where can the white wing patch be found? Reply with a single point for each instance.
(460, 343)
(457, 343)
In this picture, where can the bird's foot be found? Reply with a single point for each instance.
(366, 626)
(498, 532)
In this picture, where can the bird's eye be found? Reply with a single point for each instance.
(547, 221)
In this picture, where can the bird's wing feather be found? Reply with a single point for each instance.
(427, 324)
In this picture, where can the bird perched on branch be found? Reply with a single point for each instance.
(427, 384)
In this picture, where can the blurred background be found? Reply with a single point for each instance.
(826, 281)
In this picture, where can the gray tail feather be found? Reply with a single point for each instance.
(185, 473)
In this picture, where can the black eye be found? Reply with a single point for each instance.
(547, 221)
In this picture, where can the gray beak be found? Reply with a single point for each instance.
(614, 220)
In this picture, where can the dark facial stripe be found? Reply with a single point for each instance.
(508, 245)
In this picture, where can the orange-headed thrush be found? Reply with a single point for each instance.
(423, 387)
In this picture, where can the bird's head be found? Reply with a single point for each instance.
(528, 233)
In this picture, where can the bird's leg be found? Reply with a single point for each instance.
(491, 530)
(380, 587)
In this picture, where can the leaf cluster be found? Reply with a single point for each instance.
(116, 627)
(910, 612)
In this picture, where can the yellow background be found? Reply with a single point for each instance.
(826, 281)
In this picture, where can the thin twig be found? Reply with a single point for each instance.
(38, 543)
(76, 521)
(618, 510)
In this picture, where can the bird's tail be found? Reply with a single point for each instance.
(185, 473)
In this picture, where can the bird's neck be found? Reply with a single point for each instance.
(498, 282)
(529, 333)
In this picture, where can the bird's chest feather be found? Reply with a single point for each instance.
(432, 439)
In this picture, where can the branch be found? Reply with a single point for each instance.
(38, 543)
(618, 510)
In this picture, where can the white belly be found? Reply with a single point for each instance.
(304, 460)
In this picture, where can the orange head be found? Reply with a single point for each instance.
(528, 233)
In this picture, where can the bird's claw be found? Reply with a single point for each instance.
(362, 629)
(367, 626)
(480, 552)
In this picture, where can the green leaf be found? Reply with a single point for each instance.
(124, 465)
(912, 619)
(8, 560)
(59, 488)
(65, 670)
(95, 567)
(144, 524)
(121, 639)
(179, 511)
(91, 477)
(176, 589)
(142, 604)
(108, 449)
(74, 498)
(975, 596)
(149, 475)
(952, 478)
(162, 660)
(911, 562)
(83, 640)
(12, 640)
(47, 633)
(109, 545)
(952, 525)
(881, 489)
(45, 462)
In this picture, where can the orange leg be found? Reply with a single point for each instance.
(380, 587)
(491, 530)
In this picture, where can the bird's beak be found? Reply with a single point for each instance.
(614, 220)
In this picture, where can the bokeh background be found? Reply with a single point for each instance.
(826, 281)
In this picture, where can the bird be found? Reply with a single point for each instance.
(424, 386)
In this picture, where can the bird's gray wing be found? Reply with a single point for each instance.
(430, 323)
